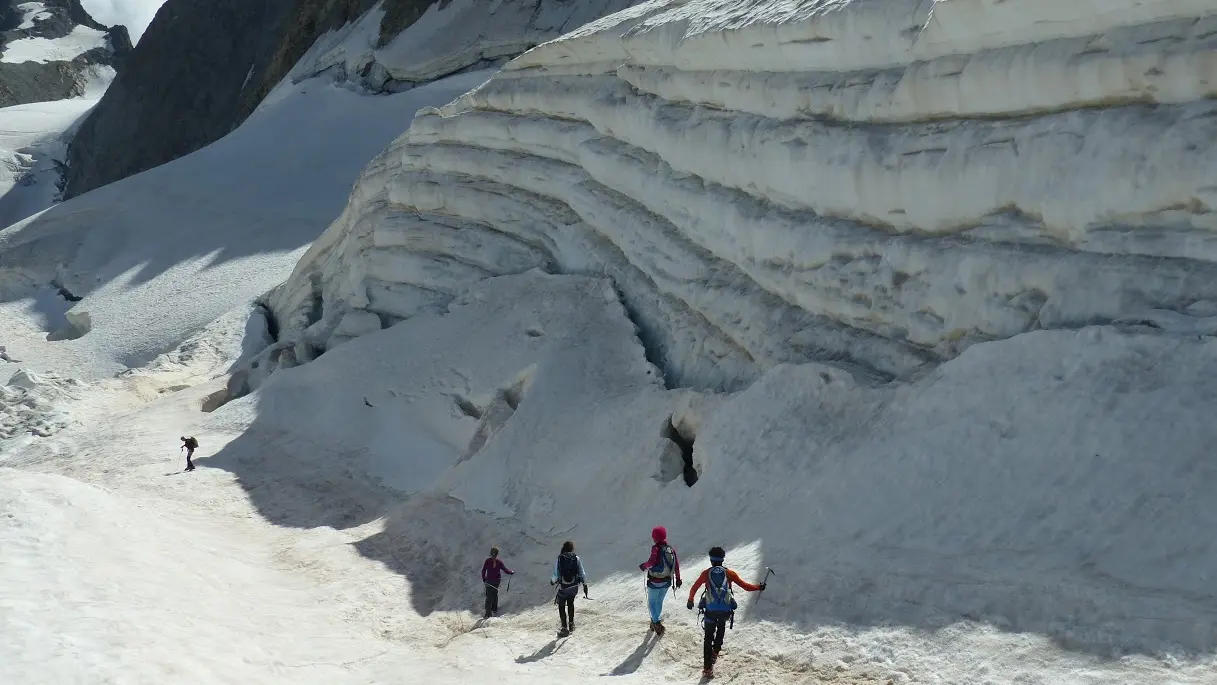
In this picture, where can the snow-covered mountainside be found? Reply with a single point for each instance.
(857, 249)
(877, 183)
(53, 50)
(203, 67)
(55, 63)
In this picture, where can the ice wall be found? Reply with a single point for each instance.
(872, 183)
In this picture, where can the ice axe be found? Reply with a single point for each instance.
(768, 572)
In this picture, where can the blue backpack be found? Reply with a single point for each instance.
(717, 595)
(664, 565)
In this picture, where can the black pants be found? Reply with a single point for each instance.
(566, 610)
(492, 600)
(715, 623)
(189, 464)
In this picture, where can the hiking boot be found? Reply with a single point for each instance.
(658, 628)
(707, 673)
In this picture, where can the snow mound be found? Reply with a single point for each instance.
(1045, 519)
(33, 404)
(873, 184)
(156, 257)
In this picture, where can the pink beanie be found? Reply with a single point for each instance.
(659, 534)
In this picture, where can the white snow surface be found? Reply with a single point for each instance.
(30, 13)
(38, 49)
(1032, 509)
(873, 183)
(33, 144)
(158, 255)
(925, 532)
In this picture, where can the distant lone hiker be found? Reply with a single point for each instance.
(568, 576)
(190, 445)
(492, 570)
(719, 605)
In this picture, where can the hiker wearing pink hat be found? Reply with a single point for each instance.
(661, 568)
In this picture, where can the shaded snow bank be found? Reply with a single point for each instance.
(1070, 505)
(825, 195)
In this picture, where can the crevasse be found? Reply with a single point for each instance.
(872, 183)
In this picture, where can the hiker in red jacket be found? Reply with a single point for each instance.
(492, 569)
(661, 567)
(719, 605)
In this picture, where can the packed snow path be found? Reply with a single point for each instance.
(873, 183)
(937, 532)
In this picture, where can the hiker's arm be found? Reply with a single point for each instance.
(676, 568)
(554, 578)
(506, 570)
(651, 560)
(741, 582)
(582, 573)
(701, 580)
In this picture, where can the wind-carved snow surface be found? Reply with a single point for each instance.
(876, 184)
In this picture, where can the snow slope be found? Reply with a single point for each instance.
(38, 49)
(874, 183)
(932, 532)
(33, 145)
(157, 256)
(1026, 510)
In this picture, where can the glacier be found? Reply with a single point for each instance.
(872, 184)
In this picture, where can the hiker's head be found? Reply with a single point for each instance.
(717, 555)
(659, 534)
(494, 551)
(183, 438)
(568, 547)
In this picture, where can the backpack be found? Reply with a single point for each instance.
(717, 595)
(568, 569)
(664, 565)
(192, 443)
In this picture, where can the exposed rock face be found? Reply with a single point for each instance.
(202, 67)
(51, 49)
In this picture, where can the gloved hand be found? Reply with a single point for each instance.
(762, 587)
(642, 567)
(678, 583)
(585, 589)
(689, 606)
(551, 583)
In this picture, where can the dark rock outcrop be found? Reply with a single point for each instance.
(26, 82)
(202, 68)
(199, 70)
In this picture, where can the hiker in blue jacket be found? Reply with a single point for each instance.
(568, 576)
(661, 568)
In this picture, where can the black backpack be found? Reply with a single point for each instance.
(192, 443)
(568, 569)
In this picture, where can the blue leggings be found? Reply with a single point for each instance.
(655, 597)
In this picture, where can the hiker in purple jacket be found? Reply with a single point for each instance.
(492, 569)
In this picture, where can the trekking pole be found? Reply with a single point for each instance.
(508, 584)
